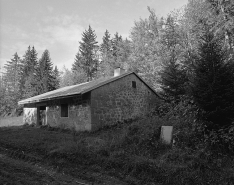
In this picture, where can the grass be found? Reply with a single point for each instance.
(129, 151)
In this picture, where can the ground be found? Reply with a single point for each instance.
(126, 153)
(15, 171)
(22, 160)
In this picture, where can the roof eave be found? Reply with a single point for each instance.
(47, 99)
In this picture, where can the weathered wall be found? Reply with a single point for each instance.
(119, 101)
(30, 115)
(79, 116)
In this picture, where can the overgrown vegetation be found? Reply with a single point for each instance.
(132, 150)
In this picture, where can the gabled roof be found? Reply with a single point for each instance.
(78, 89)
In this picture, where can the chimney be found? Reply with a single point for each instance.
(118, 71)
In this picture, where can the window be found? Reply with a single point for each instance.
(64, 110)
(134, 84)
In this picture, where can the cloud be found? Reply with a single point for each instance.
(50, 9)
(12, 30)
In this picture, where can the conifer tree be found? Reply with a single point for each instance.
(10, 85)
(106, 44)
(28, 77)
(88, 48)
(213, 87)
(76, 66)
(105, 67)
(56, 78)
(174, 81)
(45, 74)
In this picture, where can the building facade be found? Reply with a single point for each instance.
(92, 105)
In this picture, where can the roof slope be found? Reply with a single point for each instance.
(76, 89)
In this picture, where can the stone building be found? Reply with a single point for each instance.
(91, 105)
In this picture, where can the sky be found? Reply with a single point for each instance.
(57, 25)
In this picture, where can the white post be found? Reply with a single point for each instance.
(166, 134)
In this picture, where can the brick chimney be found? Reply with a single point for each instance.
(118, 71)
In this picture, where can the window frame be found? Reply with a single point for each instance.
(64, 114)
(134, 84)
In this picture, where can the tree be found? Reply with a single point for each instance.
(173, 75)
(223, 19)
(145, 47)
(28, 76)
(105, 66)
(45, 76)
(56, 78)
(212, 85)
(88, 52)
(10, 84)
(174, 81)
(105, 47)
(78, 74)
(66, 77)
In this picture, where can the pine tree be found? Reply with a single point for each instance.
(106, 67)
(45, 74)
(213, 87)
(76, 66)
(28, 75)
(173, 79)
(10, 84)
(56, 78)
(88, 48)
(106, 44)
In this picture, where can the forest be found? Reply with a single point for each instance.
(186, 57)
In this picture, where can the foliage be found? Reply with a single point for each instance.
(212, 83)
(24, 78)
(10, 85)
(145, 47)
(45, 74)
(87, 58)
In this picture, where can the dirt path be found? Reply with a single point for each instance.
(13, 171)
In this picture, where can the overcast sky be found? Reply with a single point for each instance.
(57, 25)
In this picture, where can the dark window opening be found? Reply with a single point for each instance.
(133, 84)
(64, 110)
(42, 107)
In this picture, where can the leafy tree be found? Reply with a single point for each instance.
(212, 85)
(66, 77)
(173, 75)
(145, 47)
(88, 52)
(222, 15)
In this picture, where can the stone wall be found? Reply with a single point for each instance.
(30, 116)
(119, 101)
(79, 116)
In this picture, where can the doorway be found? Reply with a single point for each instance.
(42, 115)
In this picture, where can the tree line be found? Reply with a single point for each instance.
(26, 77)
(185, 55)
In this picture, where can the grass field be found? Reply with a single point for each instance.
(11, 121)
(130, 152)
